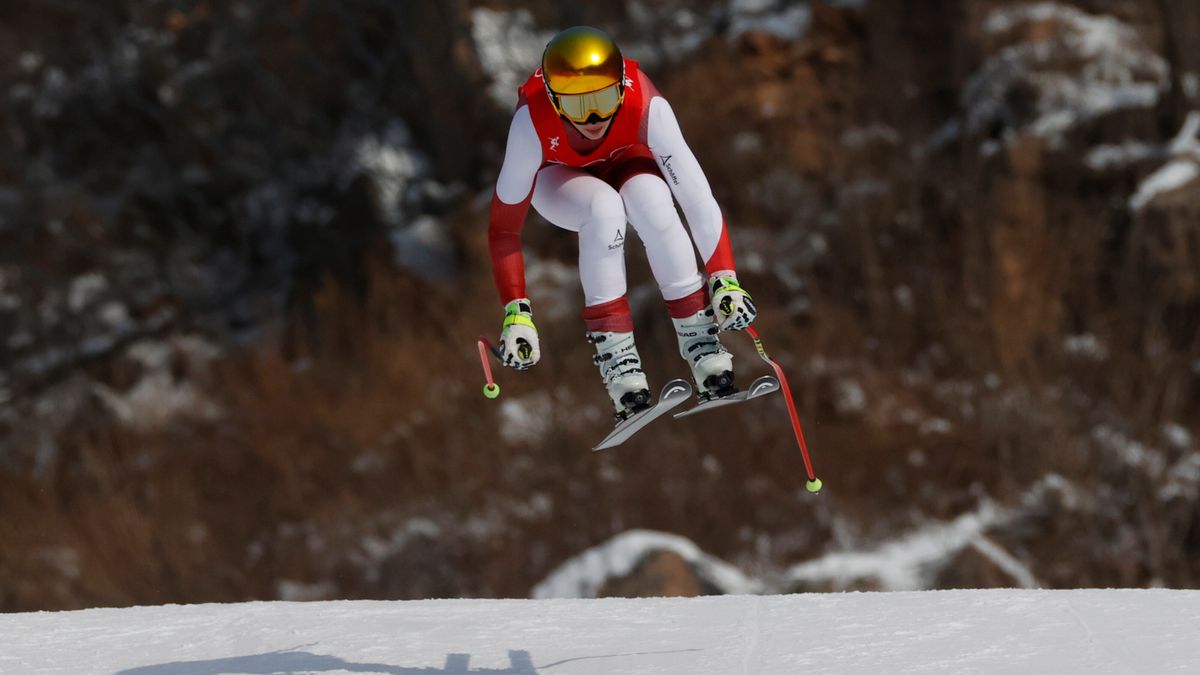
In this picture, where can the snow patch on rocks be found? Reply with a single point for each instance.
(390, 159)
(850, 397)
(584, 575)
(162, 396)
(666, 34)
(401, 175)
(1177, 435)
(905, 564)
(84, 290)
(1183, 480)
(424, 247)
(1132, 152)
(1092, 65)
(526, 417)
(557, 284)
(1115, 156)
(509, 48)
(1085, 346)
(912, 561)
(296, 591)
(374, 551)
(1132, 453)
(1168, 178)
(785, 20)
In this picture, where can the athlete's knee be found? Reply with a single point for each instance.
(648, 202)
(606, 205)
(604, 229)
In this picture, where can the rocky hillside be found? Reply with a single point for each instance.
(243, 261)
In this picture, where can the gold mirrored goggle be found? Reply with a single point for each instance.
(579, 107)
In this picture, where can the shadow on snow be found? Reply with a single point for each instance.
(290, 661)
(306, 662)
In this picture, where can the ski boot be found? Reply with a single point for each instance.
(712, 364)
(621, 368)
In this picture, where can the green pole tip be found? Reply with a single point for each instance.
(491, 390)
(814, 485)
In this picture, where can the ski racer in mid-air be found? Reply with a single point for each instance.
(593, 145)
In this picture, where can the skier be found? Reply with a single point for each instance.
(593, 145)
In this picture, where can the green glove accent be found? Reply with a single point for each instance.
(517, 313)
(727, 283)
(518, 320)
(733, 305)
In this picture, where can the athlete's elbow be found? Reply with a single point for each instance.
(700, 203)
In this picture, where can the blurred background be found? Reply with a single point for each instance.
(243, 262)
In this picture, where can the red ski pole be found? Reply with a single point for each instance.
(814, 483)
(491, 389)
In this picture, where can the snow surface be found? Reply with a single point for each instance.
(998, 631)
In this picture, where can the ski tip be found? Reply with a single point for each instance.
(606, 444)
(763, 386)
(675, 388)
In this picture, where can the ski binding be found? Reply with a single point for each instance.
(758, 388)
(674, 393)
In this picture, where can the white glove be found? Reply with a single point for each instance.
(519, 347)
(732, 305)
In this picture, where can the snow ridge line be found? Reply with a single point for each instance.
(584, 575)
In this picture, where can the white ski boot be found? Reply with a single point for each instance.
(621, 368)
(712, 364)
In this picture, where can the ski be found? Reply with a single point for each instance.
(674, 393)
(760, 387)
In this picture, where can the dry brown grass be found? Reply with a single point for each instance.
(377, 420)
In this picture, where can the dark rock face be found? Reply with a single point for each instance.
(973, 569)
(242, 252)
(660, 574)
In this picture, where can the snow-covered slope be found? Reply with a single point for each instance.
(1001, 631)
